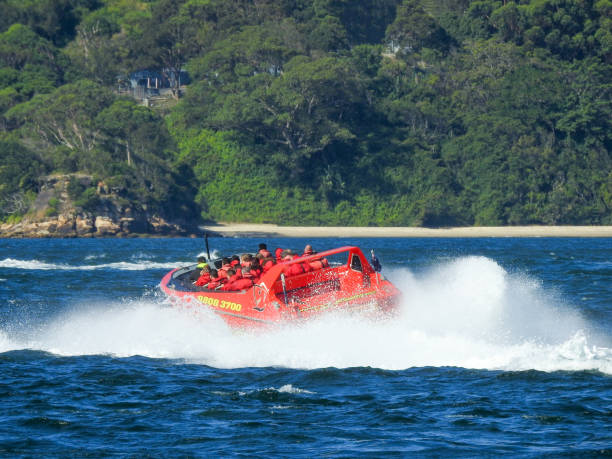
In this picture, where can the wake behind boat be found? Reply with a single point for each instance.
(302, 287)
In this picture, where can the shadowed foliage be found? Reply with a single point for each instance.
(378, 112)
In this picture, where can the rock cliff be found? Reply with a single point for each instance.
(54, 213)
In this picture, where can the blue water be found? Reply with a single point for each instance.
(501, 346)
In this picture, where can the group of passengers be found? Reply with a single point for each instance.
(239, 273)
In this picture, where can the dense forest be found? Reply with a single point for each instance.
(330, 112)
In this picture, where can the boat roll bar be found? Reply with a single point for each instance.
(278, 270)
(282, 276)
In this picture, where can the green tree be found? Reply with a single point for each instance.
(20, 46)
(130, 127)
(304, 111)
(168, 41)
(414, 29)
(54, 20)
(103, 46)
(65, 117)
(19, 171)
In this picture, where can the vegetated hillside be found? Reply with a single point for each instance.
(377, 112)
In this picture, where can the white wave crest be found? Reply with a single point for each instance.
(290, 389)
(120, 265)
(468, 313)
(95, 256)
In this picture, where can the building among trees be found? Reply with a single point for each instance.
(144, 84)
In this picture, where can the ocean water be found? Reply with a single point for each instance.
(500, 347)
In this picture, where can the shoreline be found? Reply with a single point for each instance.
(53, 230)
(270, 230)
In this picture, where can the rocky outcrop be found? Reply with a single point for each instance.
(84, 226)
(99, 226)
(53, 214)
(105, 226)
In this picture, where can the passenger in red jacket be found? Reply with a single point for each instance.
(305, 266)
(225, 265)
(256, 268)
(215, 280)
(263, 249)
(308, 251)
(246, 259)
(267, 264)
(316, 264)
(204, 277)
(234, 276)
(295, 268)
(247, 273)
(241, 284)
(231, 283)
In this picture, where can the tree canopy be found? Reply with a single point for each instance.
(377, 112)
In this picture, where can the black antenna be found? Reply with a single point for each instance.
(207, 249)
(375, 262)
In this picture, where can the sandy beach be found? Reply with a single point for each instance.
(268, 230)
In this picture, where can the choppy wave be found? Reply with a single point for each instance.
(120, 265)
(286, 389)
(468, 312)
(96, 256)
(138, 262)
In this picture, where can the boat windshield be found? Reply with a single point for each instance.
(338, 259)
(356, 263)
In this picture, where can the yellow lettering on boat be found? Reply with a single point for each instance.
(354, 297)
(220, 303)
(208, 300)
(231, 306)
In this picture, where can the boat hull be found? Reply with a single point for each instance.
(279, 298)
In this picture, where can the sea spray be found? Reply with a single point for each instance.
(5, 343)
(133, 328)
(475, 297)
(467, 312)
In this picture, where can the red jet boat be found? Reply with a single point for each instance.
(347, 282)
